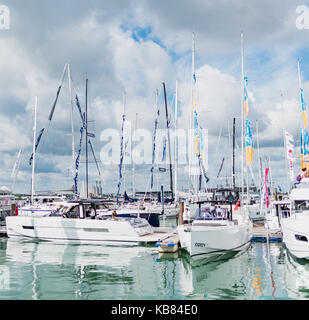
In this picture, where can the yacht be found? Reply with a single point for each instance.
(79, 221)
(295, 223)
(216, 230)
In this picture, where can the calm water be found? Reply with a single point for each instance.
(44, 270)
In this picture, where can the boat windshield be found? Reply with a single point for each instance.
(302, 205)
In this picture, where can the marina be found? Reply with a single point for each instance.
(154, 152)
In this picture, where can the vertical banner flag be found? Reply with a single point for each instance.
(246, 95)
(36, 145)
(154, 147)
(121, 157)
(77, 160)
(249, 142)
(266, 189)
(303, 107)
(289, 144)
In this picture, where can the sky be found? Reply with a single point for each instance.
(127, 49)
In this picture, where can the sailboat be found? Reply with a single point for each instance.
(216, 228)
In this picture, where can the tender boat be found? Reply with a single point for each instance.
(79, 221)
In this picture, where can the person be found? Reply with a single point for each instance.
(302, 174)
(114, 214)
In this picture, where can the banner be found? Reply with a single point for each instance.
(246, 95)
(36, 145)
(249, 143)
(121, 157)
(289, 145)
(266, 189)
(77, 160)
(303, 107)
(154, 147)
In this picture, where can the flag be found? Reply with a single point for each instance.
(196, 134)
(154, 147)
(36, 145)
(77, 160)
(289, 145)
(249, 143)
(266, 190)
(246, 95)
(303, 107)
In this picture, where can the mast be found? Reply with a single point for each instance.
(233, 167)
(133, 162)
(176, 140)
(86, 127)
(242, 115)
(72, 121)
(33, 149)
(191, 113)
(169, 142)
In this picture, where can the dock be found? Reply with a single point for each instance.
(171, 244)
(3, 233)
(262, 234)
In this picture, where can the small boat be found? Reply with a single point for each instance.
(295, 224)
(216, 233)
(79, 221)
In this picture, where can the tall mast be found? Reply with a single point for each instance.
(133, 161)
(191, 126)
(169, 141)
(86, 125)
(72, 121)
(242, 115)
(176, 140)
(233, 169)
(33, 149)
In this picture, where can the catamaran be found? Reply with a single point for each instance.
(217, 228)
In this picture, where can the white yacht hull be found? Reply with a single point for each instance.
(209, 238)
(109, 231)
(295, 235)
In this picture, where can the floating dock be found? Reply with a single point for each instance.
(3, 233)
(261, 234)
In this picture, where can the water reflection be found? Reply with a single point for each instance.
(46, 270)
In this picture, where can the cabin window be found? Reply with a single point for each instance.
(302, 205)
(95, 229)
(301, 238)
(28, 227)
